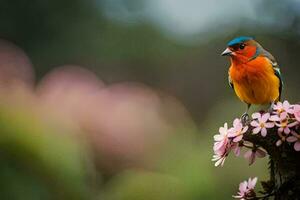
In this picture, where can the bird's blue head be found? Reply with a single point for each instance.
(239, 40)
(241, 48)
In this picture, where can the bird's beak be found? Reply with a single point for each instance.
(227, 52)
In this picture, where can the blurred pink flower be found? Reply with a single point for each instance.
(246, 189)
(237, 131)
(297, 112)
(261, 123)
(130, 121)
(16, 70)
(296, 139)
(252, 154)
(283, 107)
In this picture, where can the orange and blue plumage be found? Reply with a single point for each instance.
(254, 74)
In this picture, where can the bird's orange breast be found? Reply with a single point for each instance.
(255, 81)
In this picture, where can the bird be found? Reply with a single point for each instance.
(254, 74)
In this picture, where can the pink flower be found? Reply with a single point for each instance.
(246, 189)
(261, 123)
(237, 131)
(221, 146)
(294, 138)
(297, 112)
(283, 123)
(221, 140)
(252, 154)
(284, 107)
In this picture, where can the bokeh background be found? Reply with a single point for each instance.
(119, 99)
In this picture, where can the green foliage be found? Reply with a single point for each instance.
(38, 161)
(181, 171)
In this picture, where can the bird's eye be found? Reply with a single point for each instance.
(242, 46)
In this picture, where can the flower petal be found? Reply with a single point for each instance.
(248, 154)
(237, 122)
(232, 133)
(243, 187)
(237, 150)
(297, 112)
(238, 138)
(218, 137)
(278, 105)
(245, 129)
(269, 125)
(291, 139)
(283, 116)
(252, 183)
(263, 132)
(286, 105)
(256, 115)
(274, 118)
(223, 130)
(260, 153)
(220, 161)
(265, 117)
(254, 123)
(290, 111)
(286, 130)
(297, 146)
(278, 143)
(293, 124)
(256, 130)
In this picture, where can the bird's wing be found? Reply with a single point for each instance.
(278, 74)
(276, 69)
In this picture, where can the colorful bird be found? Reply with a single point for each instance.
(254, 74)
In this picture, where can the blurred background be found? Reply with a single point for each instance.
(119, 99)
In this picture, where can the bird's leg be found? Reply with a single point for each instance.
(270, 110)
(245, 117)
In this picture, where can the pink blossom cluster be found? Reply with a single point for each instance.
(231, 139)
(287, 119)
(284, 117)
(246, 190)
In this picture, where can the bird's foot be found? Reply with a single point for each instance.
(245, 118)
